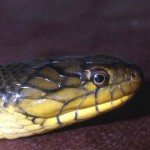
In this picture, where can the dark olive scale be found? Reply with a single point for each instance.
(3, 90)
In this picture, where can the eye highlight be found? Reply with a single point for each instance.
(100, 77)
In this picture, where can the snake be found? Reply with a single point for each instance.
(40, 95)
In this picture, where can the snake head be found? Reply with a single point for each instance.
(69, 84)
(43, 95)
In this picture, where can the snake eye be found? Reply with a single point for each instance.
(100, 78)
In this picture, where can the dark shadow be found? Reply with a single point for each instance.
(138, 107)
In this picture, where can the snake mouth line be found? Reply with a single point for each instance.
(90, 112)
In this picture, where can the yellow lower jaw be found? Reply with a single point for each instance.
(91, 111)
(46, 125)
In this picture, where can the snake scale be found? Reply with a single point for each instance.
(45, 94)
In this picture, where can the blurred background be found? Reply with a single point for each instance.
(36, 28)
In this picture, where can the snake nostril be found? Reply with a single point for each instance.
(138, 72)
(133, 75)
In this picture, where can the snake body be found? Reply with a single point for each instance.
(42, 95)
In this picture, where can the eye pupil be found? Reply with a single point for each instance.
(99, 78)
